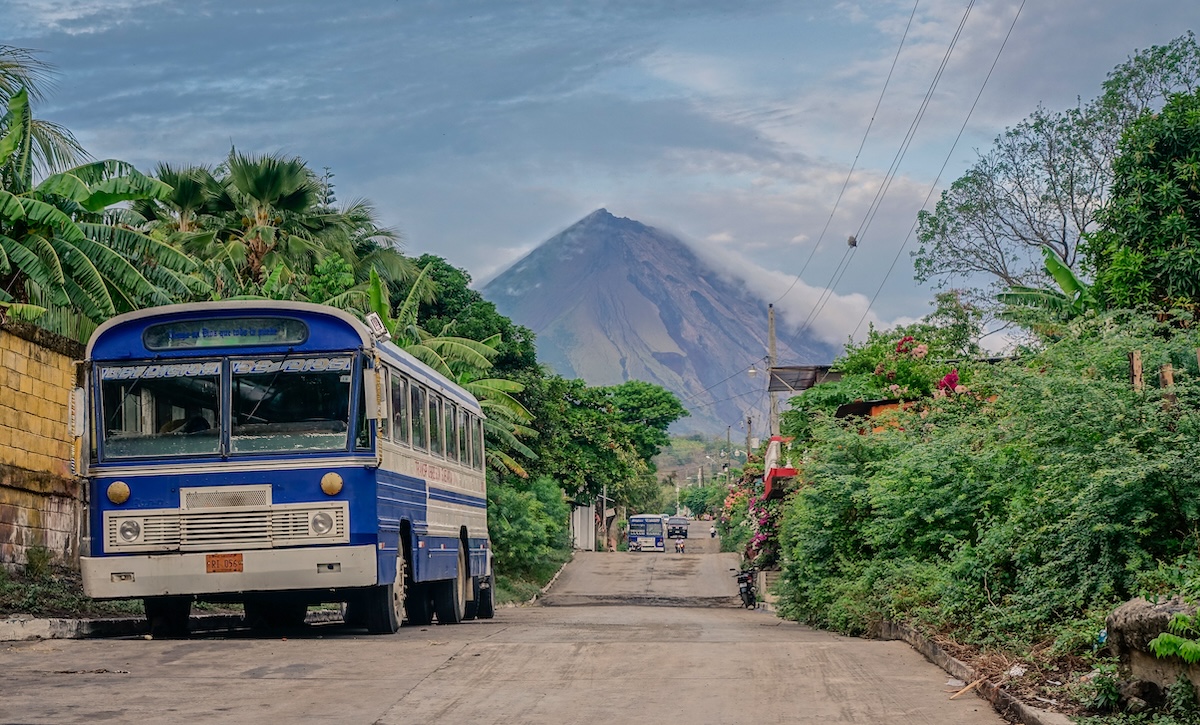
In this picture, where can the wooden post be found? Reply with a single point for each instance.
(1135, 370)
(1166, 376)
(1166, 381)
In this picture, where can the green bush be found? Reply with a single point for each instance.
(1048, 492)
(528, 523)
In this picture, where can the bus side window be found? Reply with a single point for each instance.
(477, 437)
(435, 425)
(399, 409)
(384, 419)
(419, 415)
(450, 416)
(463, 439)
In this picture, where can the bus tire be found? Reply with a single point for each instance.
(168, 616)
(472, 608)
(485, 599)
(384, 606)
(418, 609)
(451, 598)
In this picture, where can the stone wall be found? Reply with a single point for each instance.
(41, 501)
(1130, 628)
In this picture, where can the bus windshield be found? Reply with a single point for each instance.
(160, 410)
(175, 409)
(290, 405)
(645, 526)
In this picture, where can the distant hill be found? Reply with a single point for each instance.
(611, 300)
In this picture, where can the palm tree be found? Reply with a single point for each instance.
(52, 147)
(259, 225)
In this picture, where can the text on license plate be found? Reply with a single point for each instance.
(221, 563)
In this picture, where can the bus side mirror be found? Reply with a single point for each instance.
(371, 393)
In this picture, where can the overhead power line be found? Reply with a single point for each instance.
(942, 170)
(858, 153)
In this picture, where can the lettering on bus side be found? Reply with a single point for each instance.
(434, 473)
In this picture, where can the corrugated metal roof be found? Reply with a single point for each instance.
(798, 378)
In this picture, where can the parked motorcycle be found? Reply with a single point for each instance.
(745, 580)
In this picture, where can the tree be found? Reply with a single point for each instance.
(455, 303)
(1043, 181)
(591, 438)
(1147, 251)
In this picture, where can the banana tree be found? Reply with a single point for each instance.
(1073, 297)
(61, 245)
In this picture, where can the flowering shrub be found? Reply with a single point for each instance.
(762, 550)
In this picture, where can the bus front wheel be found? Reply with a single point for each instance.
(385, 603)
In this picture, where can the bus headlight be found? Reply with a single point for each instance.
(129, 530)
(118, 492)
(321, 523)
(331, 483)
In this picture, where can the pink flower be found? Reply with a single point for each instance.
(960, 389)
(949, 382)
(920, 351)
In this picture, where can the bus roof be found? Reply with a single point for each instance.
(122, 337)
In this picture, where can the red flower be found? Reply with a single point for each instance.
(905, 343)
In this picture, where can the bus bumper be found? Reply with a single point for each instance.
(149, 575)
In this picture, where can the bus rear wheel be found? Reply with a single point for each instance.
(385, 603)
(485, 598)
(451, 598)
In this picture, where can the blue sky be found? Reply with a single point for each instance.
(479, 129)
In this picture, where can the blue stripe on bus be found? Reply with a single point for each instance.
(402, 491)
(440, 494)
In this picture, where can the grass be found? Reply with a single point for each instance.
(45, 590)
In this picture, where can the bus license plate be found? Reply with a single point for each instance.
(222, 563)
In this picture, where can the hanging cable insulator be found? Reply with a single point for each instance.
(851, 241)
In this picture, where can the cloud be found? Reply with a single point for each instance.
(71, 17)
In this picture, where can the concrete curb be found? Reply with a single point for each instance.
(21, 629)
(1005, 703)
(553, 579)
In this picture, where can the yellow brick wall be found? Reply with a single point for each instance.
(41, 501)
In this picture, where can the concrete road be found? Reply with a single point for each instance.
(611, 643)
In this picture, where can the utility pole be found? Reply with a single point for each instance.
(748, 424)
(770, 367)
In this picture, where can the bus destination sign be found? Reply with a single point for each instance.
(225, 332)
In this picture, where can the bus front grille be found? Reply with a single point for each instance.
(261, 527)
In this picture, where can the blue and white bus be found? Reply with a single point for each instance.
(646, 533)
(278, 454)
